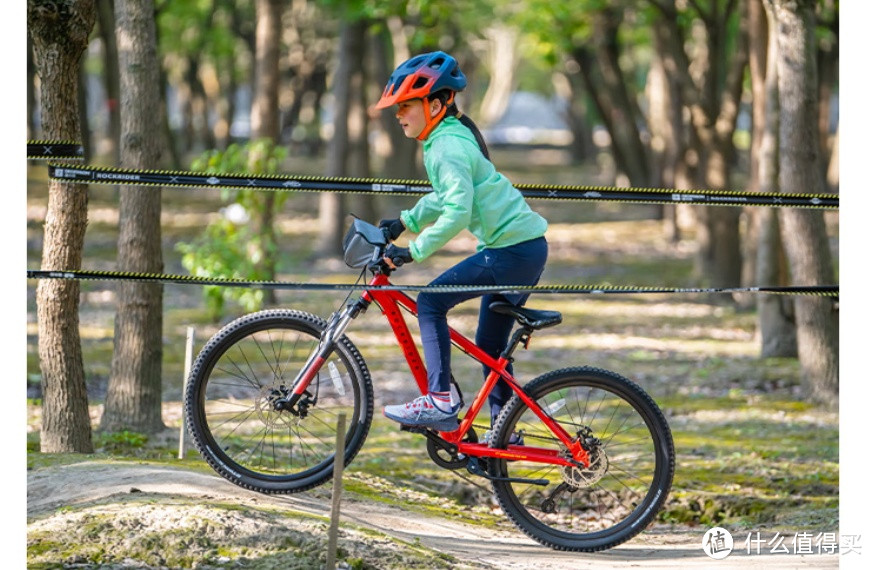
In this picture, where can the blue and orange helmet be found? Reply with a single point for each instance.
(422, 76)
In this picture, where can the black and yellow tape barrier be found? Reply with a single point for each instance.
(377, 186)
(54, 150)
(826, 291)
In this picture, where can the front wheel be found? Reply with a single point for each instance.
(243, 371)
(631, 461)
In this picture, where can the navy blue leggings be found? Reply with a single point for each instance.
(519, 264)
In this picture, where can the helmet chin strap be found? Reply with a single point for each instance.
(432, 121)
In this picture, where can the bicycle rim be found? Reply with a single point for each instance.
(632, 461)
(238, 376)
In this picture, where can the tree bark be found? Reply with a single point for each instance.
(804, 231)
(712, 99)
(31, 91)
(668, 138)
(603, 78)
(503, 60)
(331, 213)
(106, 19)
(401, 158)
(775, 318)
(133, 399)
(60, 31)
(265, 124)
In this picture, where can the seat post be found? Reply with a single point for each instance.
(521, 335)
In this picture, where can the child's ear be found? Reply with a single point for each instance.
(435, 107)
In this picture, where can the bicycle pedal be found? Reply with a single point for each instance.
(414, 429)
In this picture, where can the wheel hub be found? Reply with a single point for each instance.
(579, 477)
(266, 408)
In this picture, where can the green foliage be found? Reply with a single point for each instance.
(120, 442)
(231, 248)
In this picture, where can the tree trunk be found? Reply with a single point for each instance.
(106, 19)
(603, 78)
(804, 231)
(133, 399)
(84, 120)
(620, 102)
(668, 137)
(31, 92)
(60, 32)
(331, 215)
(712, 99)
(362, 205)
(401, 158)
(775, 319)
(575, 114)
(833, 165)
(502, 59)
(265, 125)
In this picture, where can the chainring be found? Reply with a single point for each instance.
(446, 458)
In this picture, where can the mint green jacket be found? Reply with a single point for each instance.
(468, 193)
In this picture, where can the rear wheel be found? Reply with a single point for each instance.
(627, 481)
(238, 376)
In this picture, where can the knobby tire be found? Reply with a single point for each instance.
(632, 454)
(235, 380)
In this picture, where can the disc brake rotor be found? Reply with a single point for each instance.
(581, 477)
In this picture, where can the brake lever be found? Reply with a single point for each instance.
(379, 266)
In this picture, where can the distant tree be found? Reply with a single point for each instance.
(60, 31)
(711, 82)
(390, 47)
(588, 41)
(348, 88)
(106, 25)
(776, 325)
(804, 231)
(133, 399)
(265, 125)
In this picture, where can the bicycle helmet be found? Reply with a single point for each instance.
(422, 76)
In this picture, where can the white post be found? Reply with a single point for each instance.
(189, 356)
(338, 466)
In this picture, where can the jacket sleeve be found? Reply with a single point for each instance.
(450, 173)
(423, 213)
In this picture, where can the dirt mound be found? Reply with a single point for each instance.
(125, 515)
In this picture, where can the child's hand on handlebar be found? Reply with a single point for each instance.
(396, 256)
(391, 228)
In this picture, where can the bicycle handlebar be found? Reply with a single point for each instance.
(380, 265)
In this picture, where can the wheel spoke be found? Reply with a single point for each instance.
(592, 508)
(236, 402)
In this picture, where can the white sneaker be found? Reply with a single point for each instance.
(422, 412)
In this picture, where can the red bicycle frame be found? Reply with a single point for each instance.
(390, 301)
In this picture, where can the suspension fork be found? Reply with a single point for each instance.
(332, 332)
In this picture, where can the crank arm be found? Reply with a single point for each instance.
(432, 436)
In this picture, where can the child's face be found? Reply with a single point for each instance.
(411, 116)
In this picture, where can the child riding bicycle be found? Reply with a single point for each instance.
(468, 193)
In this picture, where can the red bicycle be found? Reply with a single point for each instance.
(596, 457)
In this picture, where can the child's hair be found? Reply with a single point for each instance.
(444, 96)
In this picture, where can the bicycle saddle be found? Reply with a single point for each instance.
(531, 318)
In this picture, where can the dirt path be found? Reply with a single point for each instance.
(161, 489)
